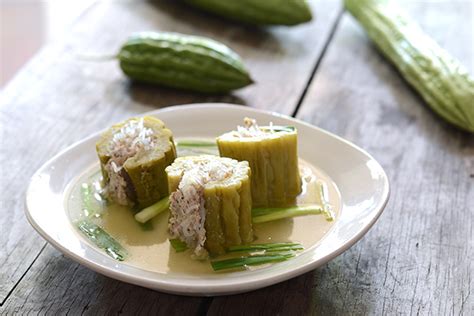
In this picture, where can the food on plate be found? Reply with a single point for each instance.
(133, 157)
(148, 207)
(210, 203)
(273, 157)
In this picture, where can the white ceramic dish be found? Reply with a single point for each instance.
(362, 182)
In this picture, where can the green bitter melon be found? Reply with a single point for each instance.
(183, 61)
(442, 81)
(259, 12)
(210, 203)
(133, 157)
(273, 157)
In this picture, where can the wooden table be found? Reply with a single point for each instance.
(417, 259)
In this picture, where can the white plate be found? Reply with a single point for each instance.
(362, 182)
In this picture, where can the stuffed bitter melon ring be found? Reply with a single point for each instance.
(272, 155)
(210, 203)
(133, 157)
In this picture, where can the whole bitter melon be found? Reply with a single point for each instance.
(442, 81)
(273, 158)
(183, 61)
(210, 203)
(259, 12)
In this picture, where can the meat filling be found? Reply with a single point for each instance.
(132, 139)
(187, 207)
(188, 212)
(251, 129)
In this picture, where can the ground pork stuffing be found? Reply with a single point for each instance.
(131, 139)
(188, 213)
(250, 129)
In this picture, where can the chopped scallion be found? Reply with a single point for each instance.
(278, 128)
(267, 214)
(147, 226)
(151, 211)
(195, 143)
(91, 201)
(242, 262)
(323, 196)
(286, 246)
(178, 245)
(102, 240)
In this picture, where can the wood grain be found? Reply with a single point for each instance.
(418, 258)
(57, 100)
(57, 286)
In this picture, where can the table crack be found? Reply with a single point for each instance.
(22, 276)
(318, 61)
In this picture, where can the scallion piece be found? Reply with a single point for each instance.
(102, 240)
(147, 226)
(277, 128)
(323, 196)
(242, 262)
(268, 214)
(91, 201)
(270, 247)
(151, 211)
(195, 143)
(178, 245)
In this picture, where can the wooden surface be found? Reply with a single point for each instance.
(417, 259)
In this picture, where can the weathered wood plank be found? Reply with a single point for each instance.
(57, 286)
(18, 245)
(57, 100)
(418, 258)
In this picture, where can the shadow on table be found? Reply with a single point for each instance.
(161, 96)
(62, 286)
(333, 288)
(328, 290)
(147, 97)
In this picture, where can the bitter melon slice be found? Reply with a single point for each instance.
(272, 155)
(133, 157)
(210, 203)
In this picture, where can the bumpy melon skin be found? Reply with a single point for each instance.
(276, 180)
(145, 175)
(183, 62)
(258, 12)
(228, 205)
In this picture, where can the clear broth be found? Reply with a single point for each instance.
(151, 250)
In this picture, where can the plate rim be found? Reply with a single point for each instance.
(216, 289)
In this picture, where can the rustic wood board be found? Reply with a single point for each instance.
(57, 286)
(57, 100)
(418, 258)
